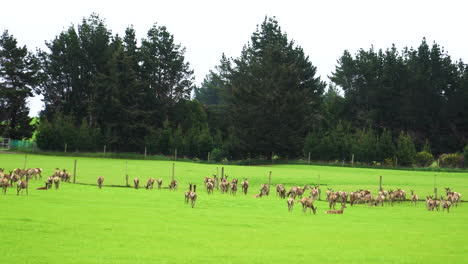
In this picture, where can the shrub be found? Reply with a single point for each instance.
(452, 160)
(389, 162)
(406, 151)
(218, 154)
(465, 155)
(424, 159)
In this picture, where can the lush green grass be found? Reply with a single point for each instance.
(82, 224)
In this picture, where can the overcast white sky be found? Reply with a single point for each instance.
(208, 28)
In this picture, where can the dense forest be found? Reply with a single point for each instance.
(386, 106)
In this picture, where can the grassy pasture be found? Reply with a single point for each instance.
(81, 224)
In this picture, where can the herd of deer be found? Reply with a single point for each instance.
(22, 177)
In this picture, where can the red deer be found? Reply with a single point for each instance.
(14, 178)
(234, 188)
(49, 182)
(100, 180)
(224, 185)
(353, 197)
(22, 185)
(245, 186)
(279, 186)
(293, 192)
(159, 181)
(282, 192)
(343, 206)
(379, 199)
(300, 191)
(445, 204)
(315, 193)
(414, 197)
(149, 183)
(209, 187)
(57, 172)
(65, 176)
(456, 197)
(187, 194)
(307, 202)
(264, 190)
(332, 199)
(4, 184)
(57, 182)
(173, 185)
(342, 196)
(290, 203)
(193, 196)
(391, 196)
(136, 183)
(430, 203)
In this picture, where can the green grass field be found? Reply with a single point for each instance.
(82, 224)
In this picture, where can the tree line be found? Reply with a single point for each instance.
(100, 89)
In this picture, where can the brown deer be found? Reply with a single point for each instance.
(379, 199)
(159, 181)
(14, 178)
(49, 182)
(57, 182)
(430, 204)
(307, 202)
(342, 196)
(343, 206)
(136, 183)
(414, 197)
(245, 186)
(22, 185)
(193, 196)
(233, 187)
(224, 185)
(455, 197)
(100, 181)
(315, 193)
(282, 192)
(300, 191)
(332, 199)
(187, 194)
(290, 204)
(445, 204)
(150, 183)
(173, 185)
(209, 187)
(4, 184)
(264, 190)
(293, 192)
(279, 186)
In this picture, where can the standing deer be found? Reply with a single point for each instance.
(100, 180)
(264, 190)
(293, 192)
(290, 203)
(233, 187)
(343, 206)
(445, 204)
(414, 197)
(159, 181)
(245, 186)
(209, 187)
(150, 183)
(4, 184)
(187, 194)
(22, 185)
(300, 191)
(307, 202)
(332, 199)
(193, 196)
(136, 183)
(173, 185)
(57, 182)
(281, 191)
(315, 193)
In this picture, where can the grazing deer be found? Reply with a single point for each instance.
(315, 193)
(379, 199)
(279, 186)
(57, 182)
(4, 184)
(245, 186)
(282, 192)
(173, 185)
(22, 185)
(233, 187)
(293, 192)
(290, 204)
(353, 197)
(300, 191)
(445, 204)
(414, 197)
(343, 206)
(100, 180)
(342, 196)
(136, 183)
(307, 202)
(150, 184)
(159, 181)
(264, 190)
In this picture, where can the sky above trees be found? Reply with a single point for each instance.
(209, 28)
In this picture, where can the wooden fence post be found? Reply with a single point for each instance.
(352, 160)
(435, 193)
(126, 173)
(74, 172)
(104, 150)
(309, 159)
(145, 152)
(208, 156)
(380, 183)
(222, 173)
(173, 170)
(269, 181)
(25, 161)
(66, 147)
(175, 154)
(217, 178)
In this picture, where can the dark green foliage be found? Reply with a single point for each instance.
(218, 154)
(465, 156)
(424, 159)
(386, 146)
(406, 151)
(452, 160)
(18, 80)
